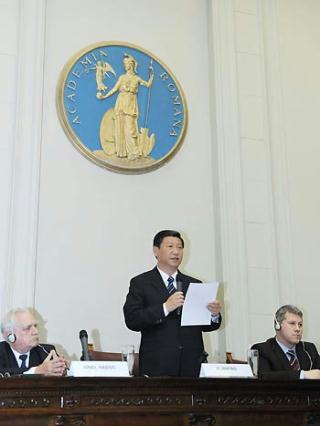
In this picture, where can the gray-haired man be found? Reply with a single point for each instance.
(21, 352)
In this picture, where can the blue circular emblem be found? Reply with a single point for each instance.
(121, 107)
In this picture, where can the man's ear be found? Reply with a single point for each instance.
(155, 251)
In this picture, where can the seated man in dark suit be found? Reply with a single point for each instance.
(286, 356)
(21, 352)
(153, 307)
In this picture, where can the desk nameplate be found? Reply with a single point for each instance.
(226, 370)
(99, 369)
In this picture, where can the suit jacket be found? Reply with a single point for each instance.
(166, 348)
(274, 364)
(8, 362)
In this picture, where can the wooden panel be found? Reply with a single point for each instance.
(39, 401)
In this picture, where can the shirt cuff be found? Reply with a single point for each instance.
(215, 318)
(30, 371)
(301, 374)
(165, 310)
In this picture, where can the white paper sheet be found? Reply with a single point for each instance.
(195, 311)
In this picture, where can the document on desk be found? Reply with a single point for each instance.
(195, 311)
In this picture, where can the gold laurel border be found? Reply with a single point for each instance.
(77, 142)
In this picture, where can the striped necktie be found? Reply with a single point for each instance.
(23, 361)
(171, 288)
(293, 360)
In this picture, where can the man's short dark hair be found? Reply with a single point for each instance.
(166, 233)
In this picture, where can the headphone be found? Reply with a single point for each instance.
(11, 337)
(277, 325)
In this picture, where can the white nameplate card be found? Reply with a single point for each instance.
(225, 370)
(99, 369)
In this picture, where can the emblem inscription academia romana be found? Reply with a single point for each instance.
(121, 107)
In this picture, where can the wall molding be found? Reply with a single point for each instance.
(22, 234)
(279, 171)
(229, 198)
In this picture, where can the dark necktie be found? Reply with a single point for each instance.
(171, 288)
(23, 361)
(293, 360)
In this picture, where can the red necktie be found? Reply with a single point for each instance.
(293, 360)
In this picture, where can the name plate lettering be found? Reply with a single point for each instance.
(226, 370)
(99, 369)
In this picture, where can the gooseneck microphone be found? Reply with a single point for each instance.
(309, 356)
(44, 349)
(83, 335)
(179, 288)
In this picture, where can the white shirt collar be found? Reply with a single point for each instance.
(285, 348)
(165, 276)
(17, 355)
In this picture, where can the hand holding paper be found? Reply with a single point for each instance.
(214, 307)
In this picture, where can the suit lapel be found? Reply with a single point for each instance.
(303, 358)
(157, 282)
(282, 357)
(11, 357)
(35, 358)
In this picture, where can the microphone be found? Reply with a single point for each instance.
(44, 349)
(46, 352)
(179, 288)
(83, 335)
(310, 359)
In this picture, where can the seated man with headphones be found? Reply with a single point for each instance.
(286, 356)
(21, 352)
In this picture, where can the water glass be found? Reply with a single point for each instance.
(253, 358)
(128, 356)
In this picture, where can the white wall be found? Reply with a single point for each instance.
(266, 94)
(299, 45)
(95, 226)
(242, 189)
(9, 18)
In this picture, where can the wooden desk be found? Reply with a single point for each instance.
(39, 401)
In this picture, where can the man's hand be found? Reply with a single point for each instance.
(53, 365)
(174, 301)
(312, 374)
(214, 307)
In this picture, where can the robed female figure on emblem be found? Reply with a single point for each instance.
(128, 141)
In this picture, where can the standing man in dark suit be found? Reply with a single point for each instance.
(286, 356)
(21, 352)
(153, 307)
